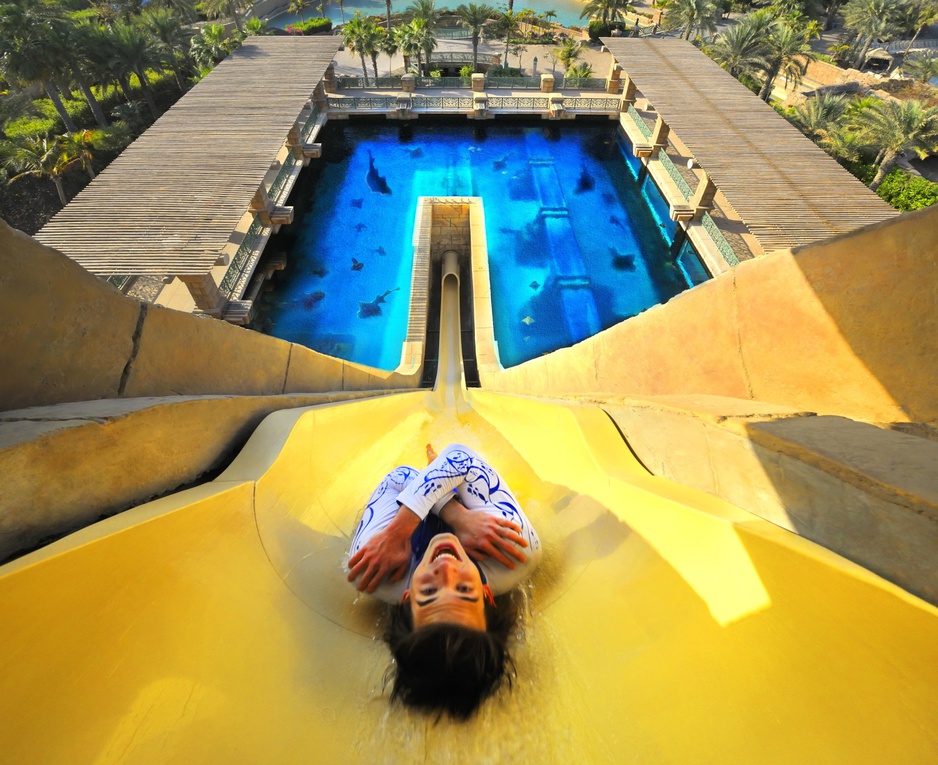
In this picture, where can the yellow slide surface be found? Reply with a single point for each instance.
(663, 626)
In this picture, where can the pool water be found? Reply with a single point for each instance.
(575, 243)
(567, 11)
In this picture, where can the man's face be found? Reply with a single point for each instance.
(446, 587)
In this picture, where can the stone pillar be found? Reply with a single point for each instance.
(261, 206)
(319, 92)
(478, 83)
(328, 79)
(547, 83)
(408, 83)
(204, 292)
(295, 142)
(628, 94)
(614, 79)
(703, 197)
(659, 136)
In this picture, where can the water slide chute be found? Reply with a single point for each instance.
(664, 625)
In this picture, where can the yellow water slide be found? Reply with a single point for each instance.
(663, 626)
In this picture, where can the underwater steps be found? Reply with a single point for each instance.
(569, 276)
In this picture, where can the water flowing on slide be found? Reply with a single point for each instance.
(663, 626)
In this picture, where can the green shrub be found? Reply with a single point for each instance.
(504, 71)
(31, 126)
(466, 71)
(861, 170)
(597, 29)
(311, 27)
(750, 82)
(908, 192)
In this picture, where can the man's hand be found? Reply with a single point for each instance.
(386, 555)
(485, 536)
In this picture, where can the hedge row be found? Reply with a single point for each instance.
(311, 27)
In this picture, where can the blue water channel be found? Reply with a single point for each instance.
(575, 243)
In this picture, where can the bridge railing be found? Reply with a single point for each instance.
(346, 82)
(442, 102)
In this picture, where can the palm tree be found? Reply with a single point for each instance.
(28, 51)
(342, 11)
(355, 37)
(569, 52)
(184, 9)
(80, 40)
(131, 49)
(417, 39)
(474, 17)
(42, 157)
(742, 48)
(256, 26)
(371, 43)
(506, 24)
(171, 41)
(210, 46)
(581, 71)
(922, 13)
(789, 51)
(423, 9)
(923, 67)
(870, 20)
(216, 8)
(820, 119)
(606, 10)
(299, 6)
(78, 145)
(404, 40)
(387, 44)
(699, 15)
(895, 127)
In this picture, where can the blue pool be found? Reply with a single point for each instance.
(575, 243)
(567, 12)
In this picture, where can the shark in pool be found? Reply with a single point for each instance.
(585, 182)
(622, 262)
(367, 310)
(376, 182)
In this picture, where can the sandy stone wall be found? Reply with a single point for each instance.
(68, 336)
(845, 327)
(867, 493)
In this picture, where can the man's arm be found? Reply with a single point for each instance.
(386, 555)
(484, 535)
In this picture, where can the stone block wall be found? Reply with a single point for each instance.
(68, 336)
(848, 327)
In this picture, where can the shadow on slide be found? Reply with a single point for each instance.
(663, 626)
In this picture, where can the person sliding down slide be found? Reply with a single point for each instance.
(445, 546)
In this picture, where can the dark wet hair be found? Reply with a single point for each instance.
(447, 668)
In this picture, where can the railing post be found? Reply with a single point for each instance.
(328, 79)
(612, 82)
(547, 83)
(703, 197)
(408, 83)
(478, 83)
(659, 136)
(261, 206)
(204, 291)
(628, 94)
